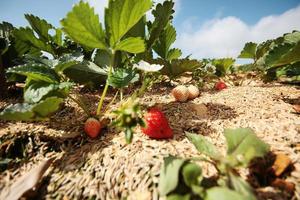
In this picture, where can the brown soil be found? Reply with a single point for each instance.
(107, 168)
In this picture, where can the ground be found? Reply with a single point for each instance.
(107, 168)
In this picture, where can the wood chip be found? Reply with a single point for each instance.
(281, 163)
(27, 182)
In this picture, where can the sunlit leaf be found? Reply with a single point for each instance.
(84, 27)
(243, 145)
(122, 78)
(122, 15)
(131, 45)
(249, 51)
(169, 175)
(204, 146)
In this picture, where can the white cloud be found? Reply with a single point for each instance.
(223, 37)
(99, 6)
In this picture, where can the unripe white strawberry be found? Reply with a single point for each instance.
(180, 93)
(193, 92)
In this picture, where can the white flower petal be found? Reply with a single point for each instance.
(142, 65)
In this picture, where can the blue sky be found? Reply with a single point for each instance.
(198, 22)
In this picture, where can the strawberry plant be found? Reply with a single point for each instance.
(112, 44)
(45, 88)
(276, 58)
(183, 178)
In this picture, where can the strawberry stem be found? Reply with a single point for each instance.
(100, 104)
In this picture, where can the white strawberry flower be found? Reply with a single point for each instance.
(142, 65)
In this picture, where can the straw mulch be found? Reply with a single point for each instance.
(107, 168)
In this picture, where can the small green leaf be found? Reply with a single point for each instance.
(243, 145)
(219, 193)
(37, 91)
(174, 54)
(84, 27)
(191, 174)
(36, 72)
(131, 45)
(169, 175)
(249, 51)
(204, 146)
(122, 78)
(122, 15)
(40, 26)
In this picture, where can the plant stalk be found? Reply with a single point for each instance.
(112, 62)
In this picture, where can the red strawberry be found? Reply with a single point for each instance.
(92, 127)
(220, 85)
(157, 125)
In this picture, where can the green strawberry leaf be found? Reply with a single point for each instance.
(27, 42)
(191, 174)
(86, 73)
(122, 15)
(243, 145)
(283, 54)
(163, 14)
(83, 26)
(293, 37)
(102, 58)
(37, 91)
(204, 146)
(131, 45)
(263, 48)
(58, 37)
(40, 26)
(249, 51)
(221, 193)
(177, 66)
(36, 72)
(174, 54)
(48, 106)
(166, 39)
(223, 65)
(138, 30)
(31, 112)
(66, 61)
(18, 112)
(169, 175)
(122, 78)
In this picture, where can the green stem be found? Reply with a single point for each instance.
(121, 94)
(100, 104)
